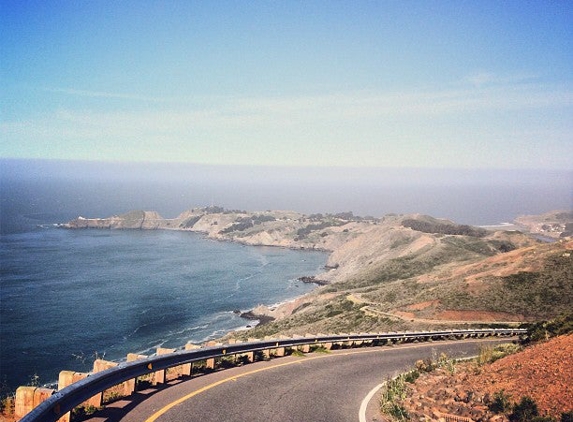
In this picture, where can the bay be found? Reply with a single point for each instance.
(68, 296)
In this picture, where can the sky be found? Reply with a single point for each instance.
(388, 83)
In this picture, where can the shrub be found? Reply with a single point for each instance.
(425, 365)
(437, 227)
(485, 355)
(524, 411)
(392, 396)
(555, 327)
(501, 402)
(412, 376)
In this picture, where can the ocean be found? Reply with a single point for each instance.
(71, 296)
(67, 297)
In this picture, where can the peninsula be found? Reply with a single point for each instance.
(397, 271)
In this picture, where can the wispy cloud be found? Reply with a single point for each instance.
(339, 128)
(486, 78)
(103, 94)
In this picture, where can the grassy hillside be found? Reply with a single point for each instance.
(455, 280)
(398, 271)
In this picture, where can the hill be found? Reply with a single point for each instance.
(490, 389)
(393, 272)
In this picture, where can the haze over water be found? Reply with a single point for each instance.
(39, 191)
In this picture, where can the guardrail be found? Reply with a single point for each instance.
(60, 403)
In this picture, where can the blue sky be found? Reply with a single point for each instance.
(437, 84)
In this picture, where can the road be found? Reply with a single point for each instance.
(314, 388)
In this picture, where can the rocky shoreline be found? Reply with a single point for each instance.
(400, 249)
(252, 316)
(313, 280)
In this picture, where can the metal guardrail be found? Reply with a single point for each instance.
(72, 396)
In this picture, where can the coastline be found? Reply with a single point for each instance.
(356, 247)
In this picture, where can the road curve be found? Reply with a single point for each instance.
(316, 387)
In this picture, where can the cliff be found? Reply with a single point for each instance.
(147, 220)
(393, 272)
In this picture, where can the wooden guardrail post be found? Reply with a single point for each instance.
(66, 378)
(123, 389)
(304, 348)
(210, 363)
(160, 377)
(281, 351)
(187, 368)
(28, 397)
(130, 385)
(328, 345)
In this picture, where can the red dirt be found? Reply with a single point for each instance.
(542, 372)
(477, 316)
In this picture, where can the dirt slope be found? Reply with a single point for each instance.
(542, 372)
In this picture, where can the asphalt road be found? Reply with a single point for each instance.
(313, 388)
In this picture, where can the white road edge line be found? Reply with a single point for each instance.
(364, 404)
(366, 401)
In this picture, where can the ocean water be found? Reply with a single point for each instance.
(69, 296)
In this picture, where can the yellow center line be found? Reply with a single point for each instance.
(171, 405)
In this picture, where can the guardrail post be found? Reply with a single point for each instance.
(175, 371)
(304, 348)
(281, 351)
(28, 397)
(356, 342)
(187, 368)
(123, 389)
(160, 377)
(66, 378)
(345, 343)
(249, 355)
(267, 352)
(328, 345)
(24, 401)
(130, 385)
(210, 363)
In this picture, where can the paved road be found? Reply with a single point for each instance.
(313, 388)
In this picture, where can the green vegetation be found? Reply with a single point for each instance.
(501, 402)
(245, 223)
(190, 222)
(393, 394)
(297, 353)
(304, 232)
(543, 330)
(133, 217)
(535, 295)
(396, 389)
(7, 399)
(438, 227)
(241, 224)
(489, 354)
(524, 411)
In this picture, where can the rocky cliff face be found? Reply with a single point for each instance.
(147, 220)
(359, 246)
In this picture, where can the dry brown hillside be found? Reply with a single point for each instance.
(437, 281)
(488, 392)
(397, 271)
